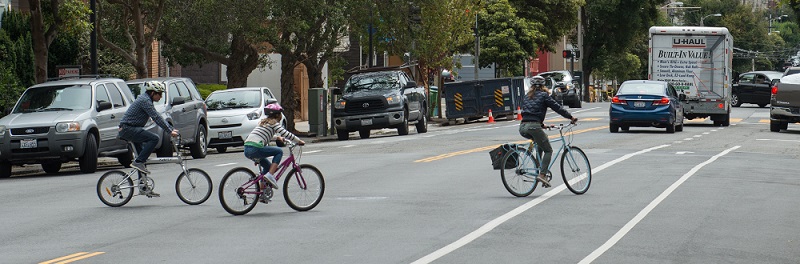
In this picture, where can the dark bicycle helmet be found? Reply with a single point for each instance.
(273, 108)
(537, 81)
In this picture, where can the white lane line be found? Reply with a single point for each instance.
(226, 164)
(313, 151)
(783, 140)
(642, 214)
(522, 208)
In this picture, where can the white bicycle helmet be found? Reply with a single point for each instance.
(154, 86)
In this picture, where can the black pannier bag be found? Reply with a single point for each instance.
(498, 153)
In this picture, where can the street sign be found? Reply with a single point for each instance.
(68, 70)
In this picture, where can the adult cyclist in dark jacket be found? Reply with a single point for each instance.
(534, 108)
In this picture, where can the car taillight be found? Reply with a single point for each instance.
(663, 101)
(616, 100)
(775, 89)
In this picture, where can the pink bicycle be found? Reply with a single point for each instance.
(240, 191)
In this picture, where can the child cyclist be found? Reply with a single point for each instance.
(256, 146)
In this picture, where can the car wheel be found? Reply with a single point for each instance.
(625, 128)
(735, 100)
(51, 167)
(199, 149)
(613, 128)
(403, 128)
(342, 135)
(166, 149)
(577, 104)
(679, 128)
(364, 133)
(222, 149)
(88, 163)
(762, 105)
(784, 125)
(774, 126)
(422, 123)
(671, 127)
(5, 170)
(125, 159)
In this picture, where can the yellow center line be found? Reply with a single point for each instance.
(72, 258)
(453, 154)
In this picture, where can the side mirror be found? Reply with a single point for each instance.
(103, 106)
(411, 84)
(271, 101)
(178, 100)
(682, 97)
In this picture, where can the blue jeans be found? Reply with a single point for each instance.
(262, 153)
(144, 141)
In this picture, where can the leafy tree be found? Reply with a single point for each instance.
(136, 23)
(48, 19)
(555, 18)
(507, 39)
(233, 35)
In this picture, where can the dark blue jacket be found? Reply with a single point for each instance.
(534, 109)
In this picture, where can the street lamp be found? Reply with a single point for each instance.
(672, 3)
(716, 15)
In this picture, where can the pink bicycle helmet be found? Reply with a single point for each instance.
(274, 108)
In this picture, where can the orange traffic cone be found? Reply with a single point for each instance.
(519, 113)
(491, 118)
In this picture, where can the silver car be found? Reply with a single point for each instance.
(60, 121)
(234, 113)
(184, 108)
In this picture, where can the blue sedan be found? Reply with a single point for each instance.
(644, 103)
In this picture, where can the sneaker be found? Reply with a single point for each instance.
(152, 194)
(543, 178)
(140, 167)
(264, 199)
(272, 181)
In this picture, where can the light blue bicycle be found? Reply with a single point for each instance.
(520, 166)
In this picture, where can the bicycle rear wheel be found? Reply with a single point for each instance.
(518, 172)
(303, 188)
(238, 194)
(114, 189)
(575, 170)
(194, 188)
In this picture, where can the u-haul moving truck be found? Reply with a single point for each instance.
(697, 61)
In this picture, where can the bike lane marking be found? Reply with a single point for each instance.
(72, 258)
(647, 209)
(453, 154)
(522, 208)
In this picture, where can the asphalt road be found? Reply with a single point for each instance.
(705, 195)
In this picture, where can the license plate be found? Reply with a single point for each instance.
(28, 143)
(226, 134)
(366, 122)
(638, 104)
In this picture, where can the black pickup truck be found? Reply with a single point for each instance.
(379, 98)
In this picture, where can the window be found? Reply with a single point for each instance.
(184, 91)
(116, 96)
(173, 91)
(102, 95)
(747, 78)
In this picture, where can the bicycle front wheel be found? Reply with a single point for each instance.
(575, 170)
(303, 188)
(114, 189)
(518, 172)
(238, 194)
(194, 188)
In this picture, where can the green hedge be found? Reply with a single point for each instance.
(206, 89)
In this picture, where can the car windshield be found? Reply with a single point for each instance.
(138, 88)
(557, 76)
(371, 82)
(55, 98)
(234, 99)
(641, 88)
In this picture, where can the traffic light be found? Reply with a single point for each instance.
(577, 54)
(414, 14)
(566, 54)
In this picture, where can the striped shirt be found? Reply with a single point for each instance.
(140, 111)
(262, 134)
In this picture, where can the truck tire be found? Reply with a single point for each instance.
(363, 133)
(5, 169)
(422, 123)
(402, 129)
(342, 135)
(51, 167)
(774, 126)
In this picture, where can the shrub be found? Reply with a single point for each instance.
(206, 88)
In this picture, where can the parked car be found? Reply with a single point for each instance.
(65, 120)
(380, 98)
(791, 70)
(566, 89)
(645, 103)
(785, 103)
(184, 108)
(754, 87)
(234, 113)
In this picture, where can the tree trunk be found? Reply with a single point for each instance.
(289, 98)
(39, 41)
(243, 60)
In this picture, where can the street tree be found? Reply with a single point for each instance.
(558, 18)
(506, 39)
(231, 33)
(49, 19)
(136, 23)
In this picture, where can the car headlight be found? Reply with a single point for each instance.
(393, 99)
(68, 127)
(339, 104)
(254, 115)
(2, 131)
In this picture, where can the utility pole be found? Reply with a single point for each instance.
(477, 46)
(93, 38)
(369, 63)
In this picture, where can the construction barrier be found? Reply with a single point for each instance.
(472, 100)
